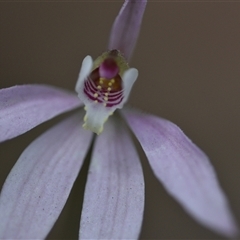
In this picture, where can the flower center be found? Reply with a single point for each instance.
(104, 84)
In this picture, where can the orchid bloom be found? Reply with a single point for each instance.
(39, 184)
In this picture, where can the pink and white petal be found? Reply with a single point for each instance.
(114, 195)
(125, 30)
(184, 170)
(129, 78)
(26, 106)
(85, 70)
(39, 184)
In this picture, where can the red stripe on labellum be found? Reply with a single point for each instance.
(104, 90)
(111, 104)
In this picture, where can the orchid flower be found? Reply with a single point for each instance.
(39, 184)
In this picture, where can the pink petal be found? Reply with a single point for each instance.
(40, 182)
(184, 170)
(114, 194)
(125, 30)
(24, 107)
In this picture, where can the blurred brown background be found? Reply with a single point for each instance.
(188, 55)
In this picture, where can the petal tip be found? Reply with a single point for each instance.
(95, 117)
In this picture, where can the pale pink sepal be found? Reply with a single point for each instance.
(40, 182)
(26, 106)
(125, 30)
(184, 170)
(114, 195)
